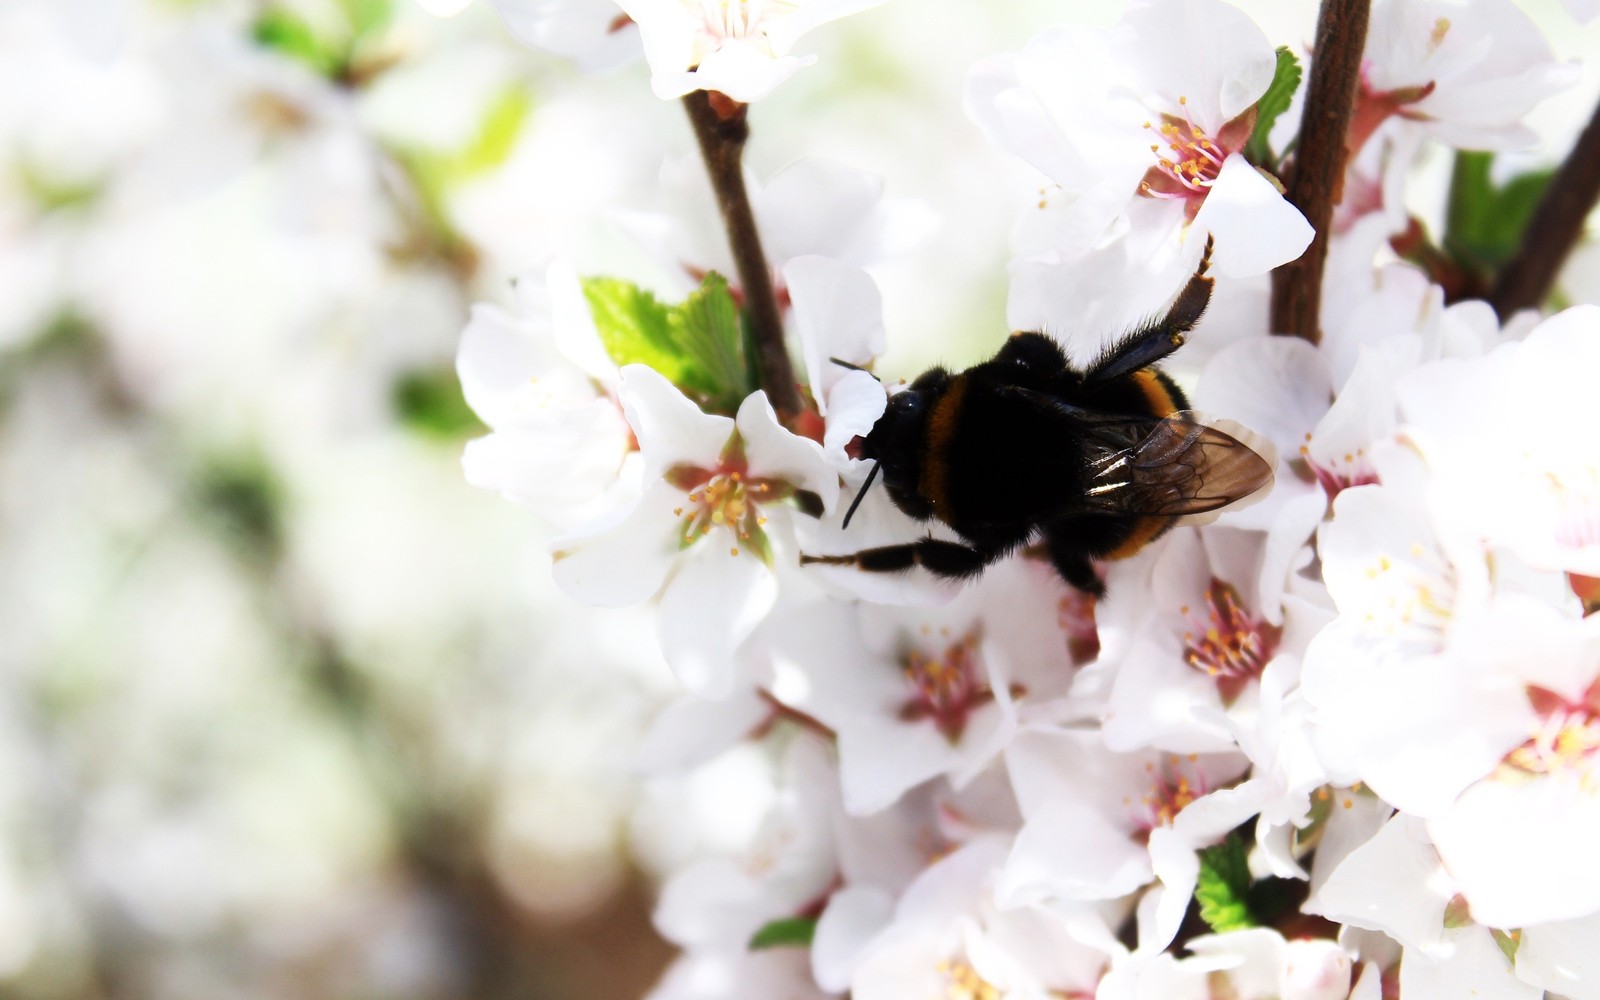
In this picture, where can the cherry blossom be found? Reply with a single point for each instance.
(700, 525)
(543, 384)
(1518, 409)
(740, 48)
(914, 693)
(1465, 73)
(1180, 80)
(948, 937)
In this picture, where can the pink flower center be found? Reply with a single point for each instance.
(724, 497)
(1174, 784)
(1339, 472)
(1188, 158)
(1567, 738)
(946, 687)
(1184, 154)
(1226, 641)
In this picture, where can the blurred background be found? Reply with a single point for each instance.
(286, 708)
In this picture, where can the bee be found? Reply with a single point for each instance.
(1094, 463)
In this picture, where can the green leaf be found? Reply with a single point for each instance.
(1273, 103)
(497, 133)
(706, 328)
(697, 345)
(288, 33)
(634, 327)
(429, 401)
(790, 932)
(1484, 223)
(1223, 887)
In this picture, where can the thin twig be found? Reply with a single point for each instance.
(1319, 161)
(721, 129)
(1525, 281)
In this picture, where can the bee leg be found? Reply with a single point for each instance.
(951, 560)
(1156, 338)
(1072, 561)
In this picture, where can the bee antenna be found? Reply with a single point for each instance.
(859, 494)
(853, 367)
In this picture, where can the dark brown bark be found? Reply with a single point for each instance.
(1552, 232)
(721, 130)
(1315, 185)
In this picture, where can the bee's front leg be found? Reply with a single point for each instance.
(1156, 338)
(951, 560)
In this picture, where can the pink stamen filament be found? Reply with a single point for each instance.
(1228, 643)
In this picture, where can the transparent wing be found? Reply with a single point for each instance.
(1171, 467)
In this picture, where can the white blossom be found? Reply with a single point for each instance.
(740, 48)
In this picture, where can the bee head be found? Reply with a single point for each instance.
(896, 442)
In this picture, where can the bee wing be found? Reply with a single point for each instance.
(1176, 466)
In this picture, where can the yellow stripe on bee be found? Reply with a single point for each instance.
(1145, 530)
(935, 482)
(1155, 393)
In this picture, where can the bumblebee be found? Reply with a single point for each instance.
(1093, 463)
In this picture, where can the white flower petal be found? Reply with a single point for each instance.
(1276, 386)
(711, 605)
(1256, 230)
(1174, 862)
(572, 323)
(838, 313)
(853, 917)
(556, 470)
(1522, 851)
(1562, 958)
(775, 453)
(744, 70)
(671, 430)
(622, 560)
(1209, 55)
(1393, 883)
(854, 406)
(1466, 963)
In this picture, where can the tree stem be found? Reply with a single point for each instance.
(1525, 281)
(1319, 161)
(721, 130)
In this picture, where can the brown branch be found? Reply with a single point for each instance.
(1319, 161)
(1552, 232)
(721, 129)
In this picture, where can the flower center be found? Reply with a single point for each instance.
(725, 19)
(1171, 789)
(1339, 472)
(725, 497)
(1226, 641)
(1187, 159)
(945, 687)
(962, 982)
(1416, 596)
(1567, 738)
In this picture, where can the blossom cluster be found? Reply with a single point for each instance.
(1344, 742)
